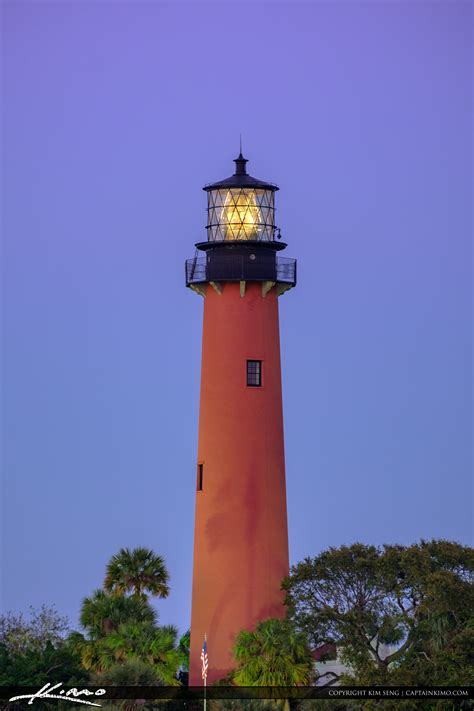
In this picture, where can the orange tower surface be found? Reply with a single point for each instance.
(241, 536)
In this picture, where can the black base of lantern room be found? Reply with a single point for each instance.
(249, 260)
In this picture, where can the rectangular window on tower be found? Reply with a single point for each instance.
(254, 373)
(200, 473)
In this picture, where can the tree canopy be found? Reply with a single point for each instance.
(43, 625)
(399, 615)
(121, 625)
(418, 601)
(274, 654)
(103, 612)
(139, 571)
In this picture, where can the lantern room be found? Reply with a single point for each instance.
(241, 208)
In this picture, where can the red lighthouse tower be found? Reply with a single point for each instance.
(241, 536)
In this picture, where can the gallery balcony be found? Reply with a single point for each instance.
(225, 267)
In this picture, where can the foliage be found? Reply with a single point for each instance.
(122, 628)
(274, 654)
(138, 571)
(35, 667)
(102, 612)
(380, 705)
(419, 600)
(132, 672)
(44, 625)
(122, 642)
(152, 645)
(184, 648)
(143, 641)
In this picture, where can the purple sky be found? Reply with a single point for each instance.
(115, 115)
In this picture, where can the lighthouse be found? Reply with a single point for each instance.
(241, 533)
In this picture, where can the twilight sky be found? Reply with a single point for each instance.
(114, 115)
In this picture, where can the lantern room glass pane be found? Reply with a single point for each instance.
(241, 214)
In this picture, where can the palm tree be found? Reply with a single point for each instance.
(138, 571)
(102, 613)
(155, 647)
(183, 646)
(119, 646)
(133, 672)
(275, 654)
(165, 654)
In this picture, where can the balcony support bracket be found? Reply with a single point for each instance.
(281, 287)
(199, 289)
(266, 286)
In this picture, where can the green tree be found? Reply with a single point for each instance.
(184, 648)
(102, 612)
(20, 635)
(141, 642)
(132, 672)
(122, 628)
(121, 625)
(417, 599)
(36, 667)
(274, 654)
(139, 572)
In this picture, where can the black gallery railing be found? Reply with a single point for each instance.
(240, 268)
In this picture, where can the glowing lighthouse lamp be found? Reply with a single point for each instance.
(241, 537)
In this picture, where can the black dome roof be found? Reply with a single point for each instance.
(241, 179)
